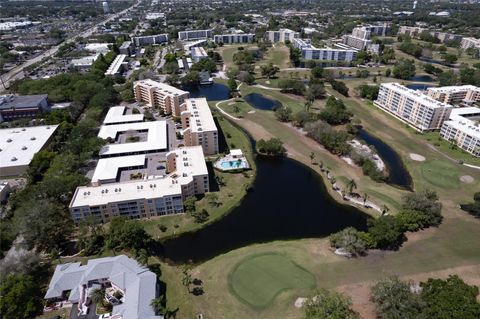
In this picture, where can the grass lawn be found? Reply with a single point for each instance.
(441, 173)
(257, 279)
(63, 313)
(229, 195)
(278, 55)
(227, 52)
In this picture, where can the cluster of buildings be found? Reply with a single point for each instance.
(361, 37)
(142, 172)
(447, 109)
(444, 37)
(129, 286)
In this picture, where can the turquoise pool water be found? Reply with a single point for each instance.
(232, 164)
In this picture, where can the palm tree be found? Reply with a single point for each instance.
(187, 278)
(365, 197)
(351, 185)
(312, 156)
(97, 295)
(142, 257)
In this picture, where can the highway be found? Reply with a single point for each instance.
(17, 73)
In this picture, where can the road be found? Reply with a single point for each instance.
(17, 73)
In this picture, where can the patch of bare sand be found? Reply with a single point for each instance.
(417, 157)
(467, 179)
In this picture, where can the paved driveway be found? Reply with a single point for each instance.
(91, 312)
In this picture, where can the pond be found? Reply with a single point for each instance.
(259, 101)
(398, 175)
(421, 78)
(213, 92)
(287, 201)
(419, 86)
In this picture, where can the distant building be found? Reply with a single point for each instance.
(416, 109)
(411, 31)
(98, 48)
(19, 145)
(234, 38)
(198, 125)
(154, 15)
(467, 43)
(361, 37)
(127, 48)
(205, 78)
(117, 66)
(14, 107)
(198, 53)
(455, 94)
(75, 282)
(8, 26)
(195, 35)
(83, 64)
(281, 35)
(309, 52)
(106, 8)
(150, 39)
(463, 129)
(188, 45)
(160, 95)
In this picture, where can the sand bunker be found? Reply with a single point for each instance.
(417, 157)
(467, 179)
(299, 302)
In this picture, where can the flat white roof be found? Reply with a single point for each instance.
(201, 116)
(415, 95)
(98, 47)
(116, 64)
(107, 168)
(459, 88)
(19, 145)
(236, 152)
(160, 86)
(156, 138)
(190, 162)
(199, 51)
(116, 114)
(459, 120)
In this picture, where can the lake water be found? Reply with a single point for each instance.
(397, 173)
(421, 78)
(259, 101)
(287, 201)
(419, 86)
(213, 92)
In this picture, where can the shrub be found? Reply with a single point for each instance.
(350, 240)
(273, 146)
(386, 231)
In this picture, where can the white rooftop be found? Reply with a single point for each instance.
(98, 47)
(116, 115)
(116, 64)
(136, 281)
(201, 116)
(198, 51)
(19, 145)
(156, 138)
(160, 86)
(416, 96)
(190, 162)
(466, 119)
(458, 88)
(107, 168)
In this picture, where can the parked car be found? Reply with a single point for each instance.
(105, 316)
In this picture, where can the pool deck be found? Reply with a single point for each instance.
(229, 158)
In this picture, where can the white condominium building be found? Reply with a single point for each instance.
(418, 110)
(309, 52)
(195, 35)
(150, 39)
(198, 125)
(187, 176)
(361, 37)
(234, 38)
(455, 94)
(281, 35)
(463, 128)
(117, 115)
(160, 95)
(470, 43)
(118, 65)
(411, 31)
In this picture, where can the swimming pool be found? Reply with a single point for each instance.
(233, 164)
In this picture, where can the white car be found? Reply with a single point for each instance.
(105, 316)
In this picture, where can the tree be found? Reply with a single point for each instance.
(350, 240)
(404, 69)
(368, 91)
(312, 157)
(427, 203)
(269, 70)
(335, 112)
(386, 231)
(340, 87)
(333, 140)
(273, 147)
(170, 67)
(317, 72)
(328, 305)
(351, 185)
(19, 297)
(394, 300)
(315, 91)
(97, 295)
(158, 305)
(232, 84)
(472, 208)
(450, 58)
(213, 200)
(191, 78)
(187, 277)
(39, 165)
(201, 216)
(283, 113)
(142, 256)
(189, 204)
(451, 298)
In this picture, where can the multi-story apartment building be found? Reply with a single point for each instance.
(160, 95)
(195, 35)
(467, 43)
(463, 128)
(234, 38)
(126, 48)
(281, 35)
(309, 52)
(187, 176)
(416, 109)
(444, 37)
(150, 39)
(455, 94)
(14, 107)
(360, 37)
(411, 31)
(117, 66)
(198, 125)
